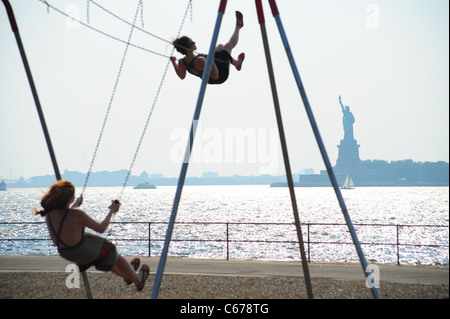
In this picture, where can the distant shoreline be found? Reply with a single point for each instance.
(274, 185)
(371, 173)
(399, 185)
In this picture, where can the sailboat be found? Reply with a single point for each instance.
(348, 184)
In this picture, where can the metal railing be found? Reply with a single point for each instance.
(228, 235)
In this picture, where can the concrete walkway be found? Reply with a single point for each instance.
(436, 275)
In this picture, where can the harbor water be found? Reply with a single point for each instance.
(405, 224)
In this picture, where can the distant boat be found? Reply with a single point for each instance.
(348, 184)
(2, 186)
(145, 185)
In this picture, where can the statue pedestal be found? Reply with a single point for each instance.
(348, 159)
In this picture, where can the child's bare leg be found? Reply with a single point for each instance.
(235, 37)
(233, 41)
(124, 269)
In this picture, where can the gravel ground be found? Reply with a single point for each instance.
(52, 285)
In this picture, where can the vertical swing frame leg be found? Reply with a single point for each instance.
(287, 164)
(184, 168)
(321, 145)
(87, 286)
(15, 30)
(37, 102)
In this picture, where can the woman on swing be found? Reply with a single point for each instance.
(195, 64)
(66, 225)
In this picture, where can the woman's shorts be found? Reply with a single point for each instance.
(93, 250)
(222, 60)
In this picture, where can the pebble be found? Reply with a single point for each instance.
(52, 285)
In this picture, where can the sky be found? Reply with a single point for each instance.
(389, 60)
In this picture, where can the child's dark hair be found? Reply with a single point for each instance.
(58, 196)
(182, 44)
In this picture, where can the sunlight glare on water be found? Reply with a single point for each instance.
(251, 204)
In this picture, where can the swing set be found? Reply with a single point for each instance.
(196, 117)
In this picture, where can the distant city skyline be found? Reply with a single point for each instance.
(206, 174)
(371, 173)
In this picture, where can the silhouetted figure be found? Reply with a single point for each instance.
(348, 120)
(195, 63)
(66, 224)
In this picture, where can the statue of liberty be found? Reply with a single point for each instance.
(348, 120)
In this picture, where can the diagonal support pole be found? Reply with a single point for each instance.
(184, 168)
(321, 145)
(287, 165)
(15, 29)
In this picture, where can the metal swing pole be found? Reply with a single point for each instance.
(261, 19)
(321, 145)
(184, 168)
(15, 30)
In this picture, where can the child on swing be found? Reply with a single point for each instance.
(195, 64)
(66, 225)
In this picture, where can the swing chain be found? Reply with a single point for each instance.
(152, 108)
(87, 11)
(49, 6)
(110, 103)
(142, 13)
(190, 8)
